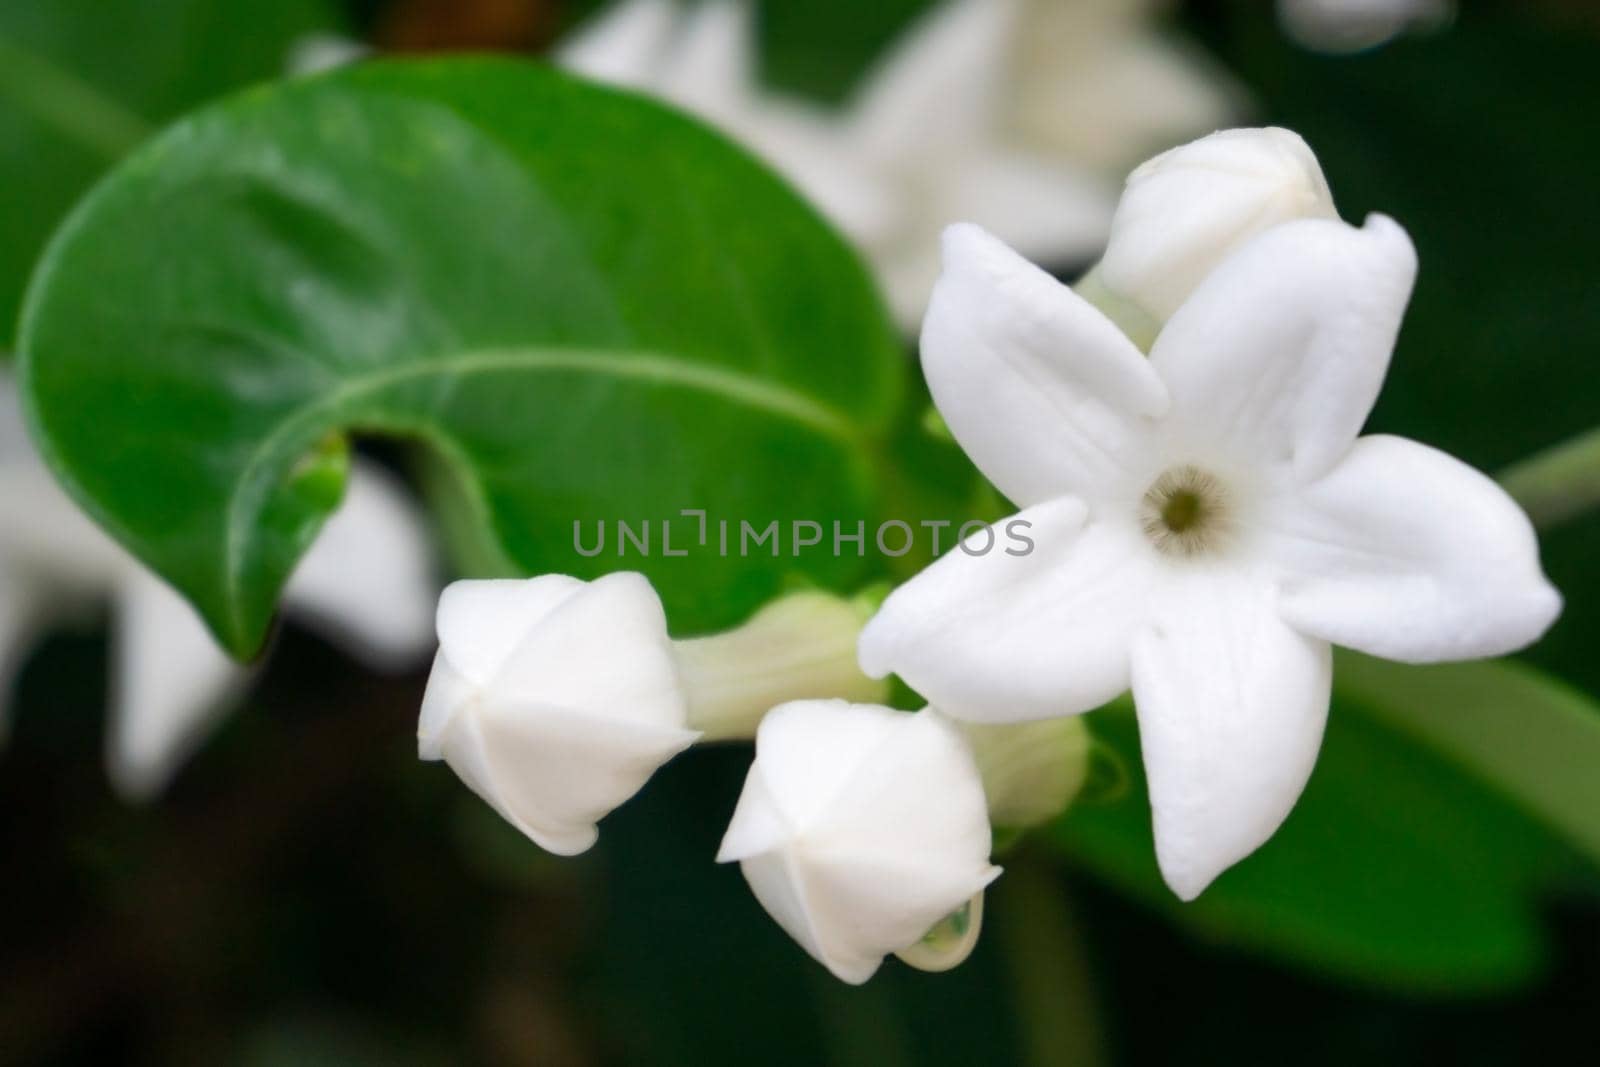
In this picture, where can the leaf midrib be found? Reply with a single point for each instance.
(643, 367)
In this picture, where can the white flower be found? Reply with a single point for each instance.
(1097, 82)
(860, 829)
(1183, 212)
(555, 700)
(1354, 25)
(967, 116)
(1206, 520)
(366, 583)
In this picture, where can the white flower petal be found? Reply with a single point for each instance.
(1097, 82)
(1275, 361)
(1049, 213)
(1186, 210)
(809, 147)
(939, 83)
(171, 685)
(1406, 553)
(481, 622)
(1231, 706)
(367, 581)
(606, 649)
(1354, 25)
(907, 272)
(624, 44)
(554, 772)
(1043, 392)
(1003, 638)
(710, 66)
(860, 828)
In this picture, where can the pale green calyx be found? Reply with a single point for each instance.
(801, 646)
(1032, 771)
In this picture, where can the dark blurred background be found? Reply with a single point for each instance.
(308, 893)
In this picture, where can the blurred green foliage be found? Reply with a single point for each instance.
(82, 81)
(1413, 909)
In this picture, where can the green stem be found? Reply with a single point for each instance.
(67, 103)
(1052, 981)
(1559, 483)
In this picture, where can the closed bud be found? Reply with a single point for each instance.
(554, 699)
(860, 829)
(1184, 211)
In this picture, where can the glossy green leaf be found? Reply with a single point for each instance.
(1396, 868)
(1520, 731)
(588, 309)
(83, 81)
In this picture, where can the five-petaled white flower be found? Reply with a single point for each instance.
(860, 829)
(1017, 114)
(555, 699)
(366, 583)
(1207, 521)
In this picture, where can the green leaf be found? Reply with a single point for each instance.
(588, 308)
(83, 81)
(1520, 731)
(1395, 869)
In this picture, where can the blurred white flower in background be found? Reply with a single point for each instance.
(860, 829)
(367, 584)
(1207, 520)
(1020, 115)
(1100, 83)
(1355, 25)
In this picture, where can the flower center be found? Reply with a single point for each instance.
(1185, 512)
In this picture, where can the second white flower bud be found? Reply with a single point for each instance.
(1184, 211)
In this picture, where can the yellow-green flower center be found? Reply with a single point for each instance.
(1185, 512)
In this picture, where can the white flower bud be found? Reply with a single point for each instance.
(554, 699)
(860, 829)
(1184, 211)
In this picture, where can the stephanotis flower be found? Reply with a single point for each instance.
(555, 699)
(860, 830)
(1207, 521)
(366, 584)
(970, 114)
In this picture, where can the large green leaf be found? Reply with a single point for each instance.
(1396, 868)
(83, 81)
(1531, 737)
(586, 306)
